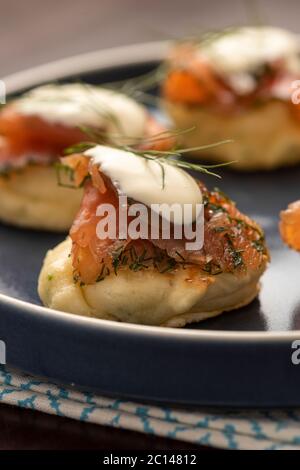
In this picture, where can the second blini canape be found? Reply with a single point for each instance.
(36, 128)
(238, 84)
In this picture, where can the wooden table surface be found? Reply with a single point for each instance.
(35, 32)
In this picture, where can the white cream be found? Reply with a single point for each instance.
(239, 52)
(142, 180)
(85, 105)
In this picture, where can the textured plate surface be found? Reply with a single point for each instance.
(239, 358)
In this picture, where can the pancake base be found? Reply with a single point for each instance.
(144, 297)
(31, 198)
(265, 137)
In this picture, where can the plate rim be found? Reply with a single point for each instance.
(100, 59)
(104, 59)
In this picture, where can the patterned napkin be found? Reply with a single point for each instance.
(224, 429)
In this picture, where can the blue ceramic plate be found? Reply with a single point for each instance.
(241, 358)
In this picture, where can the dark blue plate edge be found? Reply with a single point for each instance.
(190, 369)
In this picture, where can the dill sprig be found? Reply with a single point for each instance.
(161, 157)
(208, 37)
(138, 87)
(79, 148)
(141, 83)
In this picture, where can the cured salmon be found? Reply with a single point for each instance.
(27, 138)
(232, 241)
(289, 225)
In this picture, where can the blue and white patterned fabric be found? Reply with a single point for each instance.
(230, 429)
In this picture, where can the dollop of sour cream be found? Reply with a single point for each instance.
(238, 52)
(85, 105)
(142, 180)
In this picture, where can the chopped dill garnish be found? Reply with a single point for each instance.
(105, 271)
(171, 265)
(65, 176)
(243, 223)
(224, 195)
(259, 244)
(220, 229)
(212, 268)
(216, 207)
(160, 260)
(64, 172)
(180, 256)
(236, 255)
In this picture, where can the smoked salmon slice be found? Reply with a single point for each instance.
(28, 137)
(232, 241)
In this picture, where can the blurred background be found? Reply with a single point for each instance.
(37, 31)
